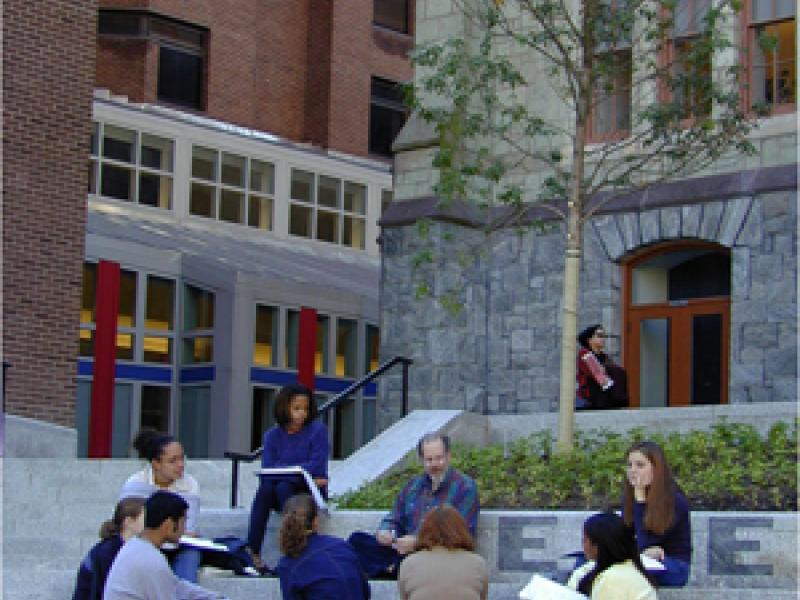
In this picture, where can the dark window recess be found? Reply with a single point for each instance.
(392, 14)
(120, 23)
(387, 115)
(705, 276)
(180, 77)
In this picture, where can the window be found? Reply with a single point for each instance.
(263, 414)
(180, 77)
(159, 320)
(131, 166)
(690, 60)
(222, 183)
(771, 35)
(321, 351)
(88, 300)
(372, 348)
(198, 326)
(327, 209)
(392, 14)
(292, 339)
(126, 316)
(193, 426)
(155, 407)
(610, 116)
(264, 354)
(386, 199)
(346, 348)
(387, 115)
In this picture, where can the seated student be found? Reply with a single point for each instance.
(141, 570)
(614, 570)
(128, 521)
(316, 566)
(445, 566)
(654, 505)
(297, 439)
(382, 553)
(165, 471)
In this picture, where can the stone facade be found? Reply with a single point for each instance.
(500, 353)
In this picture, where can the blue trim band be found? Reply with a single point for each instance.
(195, 374)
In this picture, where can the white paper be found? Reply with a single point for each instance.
(202, 543)
(297, 470)
(541, 588)
(651, 564)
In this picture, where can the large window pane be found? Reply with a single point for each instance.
(231, 206)
(198, 310)
(300, 220)
(180, 77)
(354, 232)
(160, 307)
(194, 419)
(654, 362)
(155, 190)
(198, 349)
(117, 182)
(262, 177)
(266, 335)
(158, 349)
(355, 197)
(321, 351)
(126, 317)
(263, 414)
(344, 431)
(346, 348)
(204, 163)
(373, 344)
(88, 293)
(155, 407)
(233, 170)
(328, 192)
(118, 143)
(328, 226)
(302, 186)
(292, 338)
(156, 152)
(259, 212)
(203, 201)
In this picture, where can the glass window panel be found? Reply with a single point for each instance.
(94, 139)
(155, 407)
(262, 177)
(302, 186)
(355, 197)
(126, 317)
(327, 226)
(266, 335)
(193, 426)
(160, 308)
(354, 232)
(232, 169)
(118, 143)
(198, 349)
(321, 352)
(83, 404)
(292, 337)
(369, 419)
(392, 14)
(263, 414)
(156, 152)
(300, 220)
(121, 430)
(707, 359)
(654, 362)
(198, 309)
(157, 349)
(86, 345)
(125, 345)
(344, 430)
(328, 192)
(204, 163)
(180, 77)
(231, 206)
(202, 201)
(155, 190)
(259, 212)
(763, 10)
(386, 199)
(88, 293)
(346, 348)
(92, 177)
(785, 8)
(373, 343)
(117, 182)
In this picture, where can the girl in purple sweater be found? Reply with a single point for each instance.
(297, 439)
(656, 508)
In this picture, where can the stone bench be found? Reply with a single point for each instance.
(731, 549)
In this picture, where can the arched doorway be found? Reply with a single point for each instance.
(677, 324)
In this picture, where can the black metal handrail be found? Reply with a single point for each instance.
(248, 457)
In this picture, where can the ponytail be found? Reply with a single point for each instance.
(297, 526)
(126, 508)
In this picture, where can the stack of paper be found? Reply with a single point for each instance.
(541, 588)
(299, 471)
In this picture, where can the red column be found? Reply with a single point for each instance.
(105, 353)
(307, 346)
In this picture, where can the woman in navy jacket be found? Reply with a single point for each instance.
(316, 566)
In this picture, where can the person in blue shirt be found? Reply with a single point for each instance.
(316, 566)
(654, 505)
(128, 521)
(297, 439)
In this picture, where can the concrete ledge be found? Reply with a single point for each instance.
(731, 549)
(31, 438)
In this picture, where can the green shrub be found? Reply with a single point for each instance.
(729, 467)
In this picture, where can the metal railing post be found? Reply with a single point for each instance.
(234, 482)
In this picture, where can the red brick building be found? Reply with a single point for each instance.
(307, 70)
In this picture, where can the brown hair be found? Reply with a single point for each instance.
(444, 527)
(660, 499)
(297, 526)
(127, 507)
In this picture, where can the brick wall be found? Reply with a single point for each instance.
(48, 64)
(299, 69)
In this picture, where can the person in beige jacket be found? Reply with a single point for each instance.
(445, 566)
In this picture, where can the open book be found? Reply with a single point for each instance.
(202, 543)
(300, 472)
(541, 588)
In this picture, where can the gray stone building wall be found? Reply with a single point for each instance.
(500, 353)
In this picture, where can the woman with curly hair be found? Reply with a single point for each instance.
(654, 505)
(316, 566)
